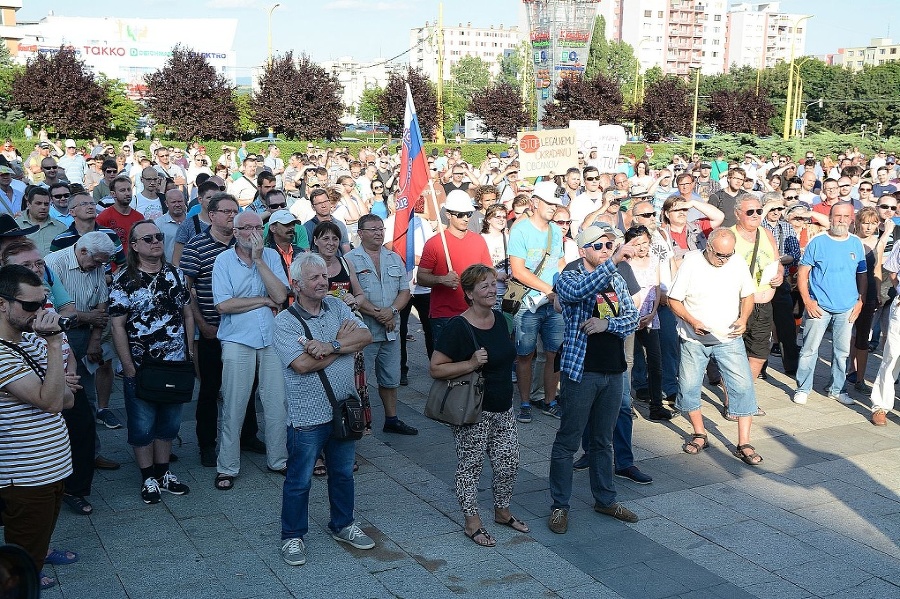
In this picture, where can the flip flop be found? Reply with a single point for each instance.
(512, 522)
(47, 582)
(482, 533)
(320, 470)
(78, 504)
(61, 558)
(224, 482)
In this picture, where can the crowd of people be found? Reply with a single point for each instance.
(280, 283)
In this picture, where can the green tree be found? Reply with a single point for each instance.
(392, 102)
(614, 60)
(584, 99)
(667, 107)
(246, 117)
(123, 111)
(499, 106)
(368, 110)
(469, 75)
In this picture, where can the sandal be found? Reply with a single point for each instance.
(693, 444)
(514, 523)
(319, 469)
(481, 533)
(730, 418)
(224, 482)
(78, 504)
(752, 459)
(61, 558)
(47, 582)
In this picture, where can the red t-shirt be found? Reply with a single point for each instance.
(822, 208)
(471, 249)
(118, 222)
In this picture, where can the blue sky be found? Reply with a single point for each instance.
(366, 29)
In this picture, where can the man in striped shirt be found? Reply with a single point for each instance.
(34, 444)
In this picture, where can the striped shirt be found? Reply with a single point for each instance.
(34, 444)
(88, 289)
(71, 236)
(197, 261)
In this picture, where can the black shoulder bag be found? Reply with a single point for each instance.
(348, 417)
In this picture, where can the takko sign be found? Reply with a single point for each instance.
(104, 50)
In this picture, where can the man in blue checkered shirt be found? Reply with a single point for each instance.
(599, 315)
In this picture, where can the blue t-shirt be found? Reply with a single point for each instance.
(530, 244)
(835, 264)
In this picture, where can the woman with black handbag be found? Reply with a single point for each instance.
(479, 339)
(149, 311)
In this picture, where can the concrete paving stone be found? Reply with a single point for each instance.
(824, 575)
(784, 493)
(593, 590)
(853, 497)
(762, 544)
(805, 475)
(209, 534)
(667, 533)
(640, 581)
(862, 556)
(495, 578)
(721, 591)
(244, 574)
(778, 589)
(874, 588)
(852, 523)
(683, 571)
(731, 496)
(412, 582)
(441, 552)
(691, 510)
(727, 564)
(546, 566)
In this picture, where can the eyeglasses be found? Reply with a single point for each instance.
(720, 256)
(49, 168)
(27, 306)
(249, 228)
(458, 174)
(150, 180)
(61, 196)
(460, 214)
(227, 212)
(374, 230)
(865, 189)
(562, 223)
(592, 178)
(377, 188)
(503, 217)
(148, 239)
(278, 206)
(752, 211)
(887, 207)
(845, 185)
(645, 215)
(776, 208)
(601, 245)
(83, 204)
(162, 155)
(789, 198)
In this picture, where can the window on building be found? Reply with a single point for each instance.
(849, 52)
(893, 50)
(715, 54)
(648, 13)
(659, 14)
(880, 62)
(717, 17)
(882, 51)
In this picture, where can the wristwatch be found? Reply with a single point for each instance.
(336, 345)
(395, 310)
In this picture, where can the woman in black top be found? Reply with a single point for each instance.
(455, 354)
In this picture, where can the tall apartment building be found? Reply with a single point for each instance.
(8, 31)
(356, 77)
(676, 35)
(879, 51)
(487, 43)
(760, 35)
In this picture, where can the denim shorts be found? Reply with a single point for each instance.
(384, 356)
(148, 421)
(545, 321)
(732, 359)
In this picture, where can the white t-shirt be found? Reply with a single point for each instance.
(579, 208)
(151, 208)
(716, 306)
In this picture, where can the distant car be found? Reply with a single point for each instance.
(267, 139)
(484, 140)
(352, 140)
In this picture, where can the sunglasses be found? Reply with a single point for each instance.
(61, 196)
(646, 214)
(601, 245)
(27, 306)
(49, 168)
(865, 189)
(752, 211)
(563, 222)
(149, 238)
(378, 188)
(789, 198)
(721, 256)
(278, 206)
(460, 214)
(887, 207)
(592, 178)
(679, 209)
(776, 208)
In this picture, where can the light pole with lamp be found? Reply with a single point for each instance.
(788, 101)
(696, 106)
(271, 10)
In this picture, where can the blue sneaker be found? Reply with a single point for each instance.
(108, 419)
(554, 410)
(524, 415)
(633, 474)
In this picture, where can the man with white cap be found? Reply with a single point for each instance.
(535, 258)
(73, 164)
(599, 315)
(281, 235)
(465, 249)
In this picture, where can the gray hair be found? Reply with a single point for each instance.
(744, 197)
(305, 260)
(720, 232)
(96, 242)
(242, 216)
(772, 196)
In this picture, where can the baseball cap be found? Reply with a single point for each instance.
(70, 143)
(546, 190)
(595, 232)
(458, 201)
(283, 217)
(45, 145)
(5, 170)
(638, 191)
(705, 165)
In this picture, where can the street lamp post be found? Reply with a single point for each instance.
(696, 106)
(789, 99)
(271, 10)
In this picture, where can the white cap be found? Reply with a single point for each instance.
(283, 217)
(70, 143)
(459, 201)
(546, 190)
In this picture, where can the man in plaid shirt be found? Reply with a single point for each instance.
(599, 315)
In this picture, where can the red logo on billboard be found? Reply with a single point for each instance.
(530, 144)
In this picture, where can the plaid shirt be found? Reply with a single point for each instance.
(786, 237)
(577, 290)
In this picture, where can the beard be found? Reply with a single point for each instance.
(839, 230)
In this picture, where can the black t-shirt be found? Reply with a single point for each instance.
(455, 342)
(725, 202)
(606, 351)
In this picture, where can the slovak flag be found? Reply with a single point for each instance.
(413, 178)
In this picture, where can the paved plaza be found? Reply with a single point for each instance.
(820, 517)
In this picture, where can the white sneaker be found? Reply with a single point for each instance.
(800, 397)
(293, 552)
(843, 398)
(354, 536)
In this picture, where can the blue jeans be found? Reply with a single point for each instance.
(813, 332)
(546, 322)
(148, 421)
(595, 401)
(735, 368)
(670, 348)
(304, 444)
